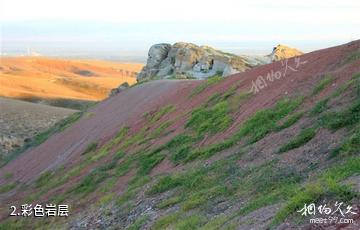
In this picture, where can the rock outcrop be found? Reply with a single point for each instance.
(281, 52)
(187, 61)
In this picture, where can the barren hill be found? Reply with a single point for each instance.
(242, 152)
(20, 121)
(47, 78)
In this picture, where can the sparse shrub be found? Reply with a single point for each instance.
(304, 136)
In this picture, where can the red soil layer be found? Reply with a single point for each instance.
(128, 108)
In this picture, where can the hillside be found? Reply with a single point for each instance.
(20, 121)
(36, 78)
(242, 152)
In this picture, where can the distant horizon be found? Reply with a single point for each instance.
(138, 55)
(110, 29)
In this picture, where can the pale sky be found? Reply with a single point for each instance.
(70, 27)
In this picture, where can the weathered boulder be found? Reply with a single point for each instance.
(156, 55)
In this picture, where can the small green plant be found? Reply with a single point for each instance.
(322, 84)
(320, 107)
(304, 136)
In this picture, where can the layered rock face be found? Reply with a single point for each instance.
(187, 60)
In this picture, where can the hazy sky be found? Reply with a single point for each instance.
(121, 28)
